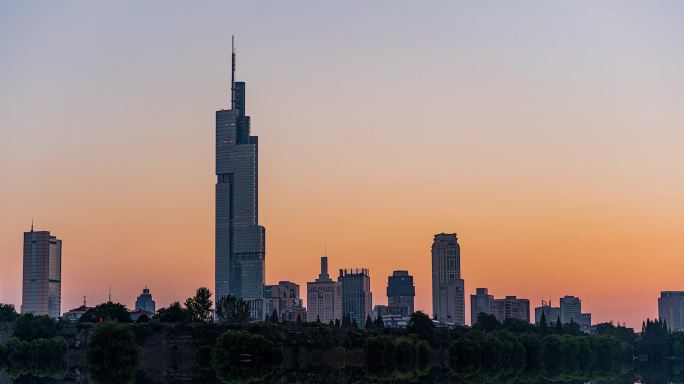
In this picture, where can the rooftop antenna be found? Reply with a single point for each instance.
(84, 301)
(232, 74)
(110, 293)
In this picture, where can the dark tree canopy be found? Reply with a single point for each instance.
(174, 313)
(234, 310)
(8, 312)
(31, 327)
(112, 354)
(200, 305)
(106, 312)
(421, 325)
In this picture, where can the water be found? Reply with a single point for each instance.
(349, 375)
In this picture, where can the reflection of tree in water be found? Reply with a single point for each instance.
(240, 357)
(39, 359)
(404, 358)
(112, 354)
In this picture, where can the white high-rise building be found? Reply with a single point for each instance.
(323, 297)
(42, 286)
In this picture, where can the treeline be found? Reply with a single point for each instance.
(35, 349)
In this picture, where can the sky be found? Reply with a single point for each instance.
(548, 135)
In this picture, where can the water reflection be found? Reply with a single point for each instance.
(349, 375)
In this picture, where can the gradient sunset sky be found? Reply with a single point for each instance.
(549, 135)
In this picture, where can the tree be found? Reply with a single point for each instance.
(464, 355)
(354, 325)
(143, 319)
(487, 322)
(421, 325)
(7, 312)
(274, 317)
(112, 354)
(174, 313)
(318, 319)
(106, 311)
(379, 322)
(299, 320)
(200, 305)
(542, 320)
(346, 321)
(234, 310)
(31, 327)
(369, 322)
(559, 326)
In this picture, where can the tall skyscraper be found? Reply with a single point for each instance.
(42, 286)
(448, 298)
(480, 302)
(671, 310)
(357, 299)
(240, 240)
(570, 309)
(323, 297)
(400, 293)
(144, 302)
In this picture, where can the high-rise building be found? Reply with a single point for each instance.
(357, 299)
(510, 307)
(671, 309)
(42, 286)
(240, 240)
(400, 293)
(570, 309)
(284, 299)
(323, 297)
(552, 314)
(144, 302)
(448, 297)
(480, 302)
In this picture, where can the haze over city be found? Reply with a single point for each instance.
(548, 137)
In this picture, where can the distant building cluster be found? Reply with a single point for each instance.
(570, 311)
(510, 307)
(240, 257)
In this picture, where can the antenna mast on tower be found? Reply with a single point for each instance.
(232, 74)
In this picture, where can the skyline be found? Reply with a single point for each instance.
(525, 148)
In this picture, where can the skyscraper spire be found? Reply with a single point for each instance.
(232, 74)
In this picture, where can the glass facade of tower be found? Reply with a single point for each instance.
(42, 274)
(240, 240)
(448, 297)
(357, 299)
(400, 293)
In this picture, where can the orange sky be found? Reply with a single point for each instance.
(552, 145)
